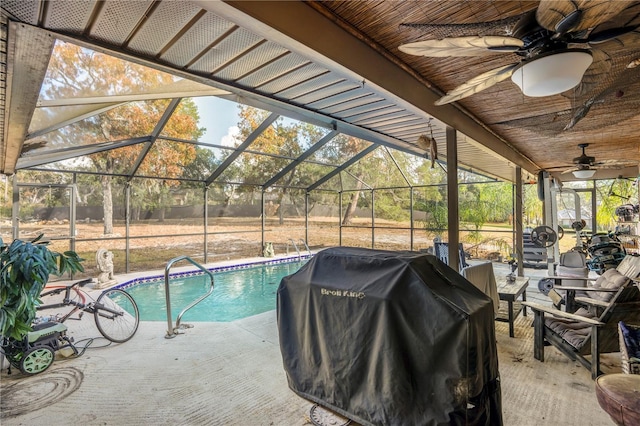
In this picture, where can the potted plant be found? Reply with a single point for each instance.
(25, 267)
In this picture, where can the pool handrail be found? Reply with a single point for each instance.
(171, 332)
(305, 245)
(293, 243)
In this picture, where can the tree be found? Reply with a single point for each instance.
(76, 72)
(279, 141)
(350, 147)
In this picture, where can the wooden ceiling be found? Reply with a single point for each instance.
(534, 126)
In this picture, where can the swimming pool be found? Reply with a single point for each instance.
(239, 291)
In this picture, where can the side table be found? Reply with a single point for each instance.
(510, 291)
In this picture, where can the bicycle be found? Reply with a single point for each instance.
(115, 313)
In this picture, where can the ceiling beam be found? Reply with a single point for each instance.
(52, 156)
(308, 153)
(242, 147)
(24, 78)
(90, 111)
(344, 166)
(137, 97)
(154, 135)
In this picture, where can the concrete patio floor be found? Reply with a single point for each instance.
(232, 374)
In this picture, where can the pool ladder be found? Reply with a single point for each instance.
(173, 331)
(295, 246)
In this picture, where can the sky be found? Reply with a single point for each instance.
(219, 117)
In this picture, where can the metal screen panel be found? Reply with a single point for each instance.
(230, 48)
(26, 11)
(275, 70)
(308, 86)
(368, 99)
(250, 61)
(167, 20)
(300, 75)
(196, 39)
(364, 113)
(380, 120)
(118, 19)
(325, 92)
(340, 98)
(69, 16)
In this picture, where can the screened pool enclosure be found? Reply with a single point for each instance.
(150, 166)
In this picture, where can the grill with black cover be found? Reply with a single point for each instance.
(390, 338)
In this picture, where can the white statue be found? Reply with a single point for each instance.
(104, 260)
(268, 250)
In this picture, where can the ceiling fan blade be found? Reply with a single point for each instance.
(580, 113)
(605, 92)
(478, 83)
(564, 16)
(571, 169)
(595, 74)
(623, 29)
(549, 124)
(614, 164)
(462, 46)
(500, 27)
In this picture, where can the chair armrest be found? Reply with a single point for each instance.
(592, 302)
(536, 307)
(569, 277)
(587, 289)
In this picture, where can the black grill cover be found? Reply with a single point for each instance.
(390, 338)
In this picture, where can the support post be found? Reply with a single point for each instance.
(517, 222)
(452, 199)
(340, 218)
(411, 218)
(127, 220)
(205, 197)
(72, 212)
(15, 209)
(373, 220)
(306, 217)
(263, 221)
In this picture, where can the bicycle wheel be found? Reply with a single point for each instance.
(116, 315)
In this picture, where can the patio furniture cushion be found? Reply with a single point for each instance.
(573, 332)
(610, 279)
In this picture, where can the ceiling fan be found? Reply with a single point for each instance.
(555, 42)
(585, 166)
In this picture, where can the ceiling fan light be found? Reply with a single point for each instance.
(552, 73)
(584, 174)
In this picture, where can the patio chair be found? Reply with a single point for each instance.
(568, 287)
(441, 251)
(573, 264)
(593, 328)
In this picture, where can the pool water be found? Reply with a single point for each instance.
(237, 294)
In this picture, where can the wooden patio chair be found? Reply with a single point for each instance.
(441, 251)
(569, 288)
(593, 329)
